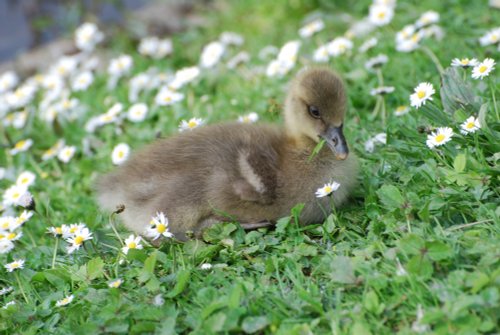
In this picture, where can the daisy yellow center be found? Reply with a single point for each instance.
(20, 144)
(415, 37)
(72, 230)
(2, 237)
(464, 61)
(65, 301)
(5, 225)
(115, 284)
(132, 245)
(79, 240)
(161, 228)
(15, 265)
(58, 230)
(483, 68)
(192, 124)
(401, 108)
(440, 138)
(327, 189)
(420, 94)
(24, 180)
(121, 154)
(16, 195)
(107, 117)
(152, 222)
(168, 98)
(49, 152)
(470, 125)
(11, 236)
(381, 15)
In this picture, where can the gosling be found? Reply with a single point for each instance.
(253, 174)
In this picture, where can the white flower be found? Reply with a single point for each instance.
(417, 326)
(8, 80)
(26, 179)
(483, 69)
(82, 81)
(427, 18)
(471, 125)
(137, 84)
(191, 124)
(137, 112)
(321, 54)
(184, 76)
(405, 33)
(491, 37)
(368, 44)
(401, 110)
(327, 189)
(206, 266)
(381, 15)
(212, 54)
(376, 62)
(53, 151)
(423, 92)
(20, 119)
(120, 153)
(464, 62)
(66, 153)
(158, 300)
(439, 137)
(8, 223)
(230, 38)
(240, 58)
(166, 97)
(11, 236)
(21, 97)
(13, 194)
(6, 290)
(154, 47)
(80, 236)
(115, 283)
(311, 28)
(2, 173)
(10, 303)
(65, 66)
(382, 90)
(56, 231)
(379, 138)
(400, 270)
(87, 36)
(26, 200)
(5, 246)
(65, 301)
(159, 227)
(339, 46)
(249, 118)
(21, 146)
(120, 66)
(17, 264)
(132, 242)
(69, 231)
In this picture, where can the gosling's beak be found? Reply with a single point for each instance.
(334, 137)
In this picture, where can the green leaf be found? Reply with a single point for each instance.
(183, 277)
(317, 149)
(477, 280)
(421, 266)
(342, 270)
(371, 302)
(95, 268)
(390, 196)
(252, 324)
(457, 93)
(459, 163)
(438, 250)
(411, 244)
(282, 223)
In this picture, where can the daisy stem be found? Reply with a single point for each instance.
(112, 224)
(434, 58)
(494, 102)
(55, 253)
(383, 110)
(21, 287)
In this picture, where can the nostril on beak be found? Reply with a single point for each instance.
(335, 141)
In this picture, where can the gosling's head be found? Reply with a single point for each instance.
(315, 109)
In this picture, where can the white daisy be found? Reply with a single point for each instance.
(13, 194)
(231, 38)
(21, 97)
(69, 231)
(166, 97)
(115, 283)
(380, 138)
(249, 118)
(7, 223)
(120, 66)
(327, 189)
(56, 231)
(132, 242)
(11, 236)
(471, 125)
(376, 62)
(10, 303)
(17, 264)
(184, 76)
(66, 153)
(311, 28)
(206, 266)
(382, 90)
(137, 112)
(439, 137)
(211, 54)
(26, 179)
(78, 238)
(464, 62)
(53, 151)
(368, 44)
(138, 83)
(427, 18)
(8, 80)
(400, 270)
(65, 301)
(23, 218)
(155, 47)
(423, 92)
(82, 81)
(240, 58)
(491, 37)
(483, 69)
(65, 66)
(381, 15)
(159, 227)
(339, 46)
(87, 36)
(321, 54)
(120, 153)
(191, 124)
(5, 246)
(21, 146)
(401, 110)
(6, 290)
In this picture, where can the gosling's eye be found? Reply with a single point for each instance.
(314, 111)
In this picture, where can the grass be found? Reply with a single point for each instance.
(421, 232)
